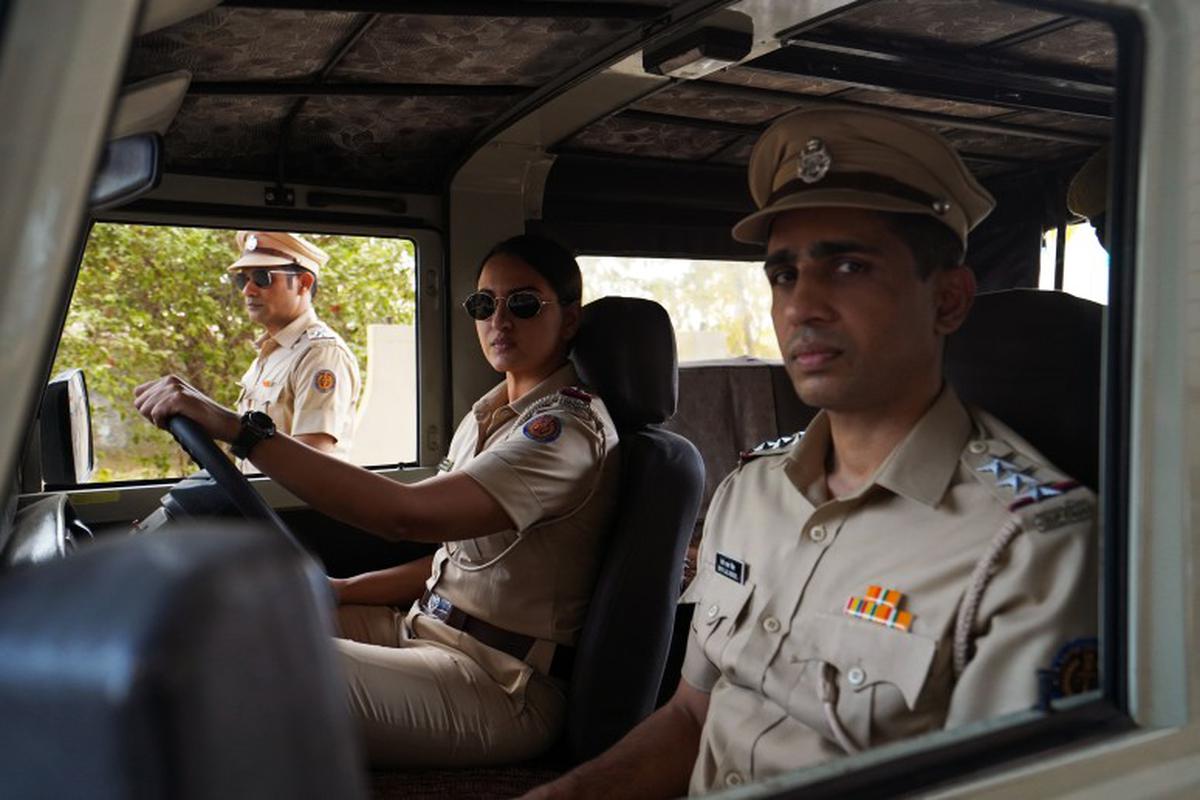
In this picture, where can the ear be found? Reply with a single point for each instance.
(572, 316)
(954, 293)
(306, 281)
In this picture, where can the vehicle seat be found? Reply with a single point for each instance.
(191, 663)
(1032, 359)
(730, 405)
(625, 350)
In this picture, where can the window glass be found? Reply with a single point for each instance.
(720, 309)
(156, 300)
(1085, 263)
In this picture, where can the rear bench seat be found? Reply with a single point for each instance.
(728, 406)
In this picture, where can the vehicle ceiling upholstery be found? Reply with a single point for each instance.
(396, 101)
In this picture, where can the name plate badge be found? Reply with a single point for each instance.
(731, 568)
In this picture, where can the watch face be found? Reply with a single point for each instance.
(260, 422)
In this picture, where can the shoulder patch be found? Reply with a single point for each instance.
(770, 447)
(1075, 669)
(544, 428)
(324, 381)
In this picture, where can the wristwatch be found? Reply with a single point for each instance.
(255, 427)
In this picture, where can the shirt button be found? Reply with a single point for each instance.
(713, 610)
(978, 447)
(817, 534)
(771, 625)
(734, 779)
(855, 676)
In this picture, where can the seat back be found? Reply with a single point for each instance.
(188, 664)
(1032, 359)
(625, 350)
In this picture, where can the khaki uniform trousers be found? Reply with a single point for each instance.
(421, 703)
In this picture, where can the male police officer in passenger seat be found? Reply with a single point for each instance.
(304, 376)
(910, 563)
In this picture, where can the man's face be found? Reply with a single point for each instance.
(858, 329)
(276, 305)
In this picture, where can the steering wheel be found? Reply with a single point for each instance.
(204, 451)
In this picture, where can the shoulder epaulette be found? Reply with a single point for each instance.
(770, 447)
(319, 332)
(576, 393)
(1041, 497)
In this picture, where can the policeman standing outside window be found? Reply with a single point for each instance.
(909, 563)
(304, 376)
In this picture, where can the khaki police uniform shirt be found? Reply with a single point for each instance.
(780, 558)
(306, 379)
(549, 460)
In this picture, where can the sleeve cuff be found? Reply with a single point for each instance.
(697, 669)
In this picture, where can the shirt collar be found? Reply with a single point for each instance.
(487, 406)
(920, 468)
(289, 334)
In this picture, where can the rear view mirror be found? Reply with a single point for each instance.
(130, 167)
(68, 456)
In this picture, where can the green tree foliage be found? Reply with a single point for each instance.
(154, 300)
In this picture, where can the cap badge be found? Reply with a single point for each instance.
(814, 161)
(251, 243)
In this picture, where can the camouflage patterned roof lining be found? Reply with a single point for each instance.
(714, 102)
(386, 143)
(226, 135)
(410, 143)
(243, 44)
(474, 50)
(1086, 44)
(375, 142)
(953, 23)
(623, 136)
(1014, 147)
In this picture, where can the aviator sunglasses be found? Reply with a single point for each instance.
(522, 305)
(261, 277)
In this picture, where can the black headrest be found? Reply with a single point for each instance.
(1032, 358)
(625, 351)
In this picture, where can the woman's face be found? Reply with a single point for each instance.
(533, 346)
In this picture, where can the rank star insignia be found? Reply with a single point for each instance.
(998, 467)
(1017, 482)
(814, 161)
(1039, 491)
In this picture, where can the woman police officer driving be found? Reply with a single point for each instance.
(461, 658)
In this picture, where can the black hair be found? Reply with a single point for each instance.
(933, 245)
(548, 258)
(296, 269)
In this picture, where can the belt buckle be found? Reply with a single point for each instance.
(438, 607)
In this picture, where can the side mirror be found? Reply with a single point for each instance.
(130, 167)
(68, 455)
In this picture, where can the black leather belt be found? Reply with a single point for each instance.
(516, 645)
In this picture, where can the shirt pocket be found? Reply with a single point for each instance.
(880, 673)
(265, 398)
(476, 553)
(720, 607)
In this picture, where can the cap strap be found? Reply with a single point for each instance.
(857, 181)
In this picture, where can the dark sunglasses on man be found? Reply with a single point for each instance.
(261, 277)
(522, 305)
